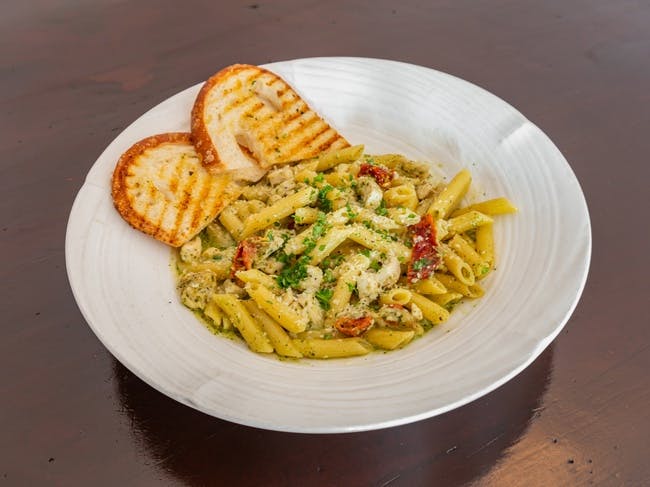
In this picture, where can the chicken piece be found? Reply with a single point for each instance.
(396, 316)
(314, 278)
(370, 192)
(191, 251)
(310, 306)
(279, 175)
(196, 288)
(219, 236)
(370, 283)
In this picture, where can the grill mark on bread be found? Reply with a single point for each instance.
(152, 196)
(182, 210)
(302, 122)
(238, 102)
(198, 209)
(328, 142)
(142, 194)
(293, 114)
(305, 131)
(274, 133)
(175, 177)
(299, 144)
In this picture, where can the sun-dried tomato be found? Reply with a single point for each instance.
(382, 176)
(353, 327)
(243, 258)
(425, 257)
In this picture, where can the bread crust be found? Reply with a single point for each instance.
(200, 136)
(203, 142)
(189, 210)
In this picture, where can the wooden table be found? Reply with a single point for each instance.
(73, 74)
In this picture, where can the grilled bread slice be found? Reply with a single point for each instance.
(246, 119)
(161, 188)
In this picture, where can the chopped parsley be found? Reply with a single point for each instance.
(426, 324)
(333, 260)
(296, 270)
(349, 212)
(352, 286)
(320, 177)
(421, 264)
(381, 210)
(324, 296)
(375, 265)
(320, 225)
(291, 275)
(365, 252)
(328, 276)
(322, 200)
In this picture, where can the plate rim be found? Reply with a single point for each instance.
(541, 344)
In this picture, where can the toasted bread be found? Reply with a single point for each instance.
(246, 119)
(161, 188)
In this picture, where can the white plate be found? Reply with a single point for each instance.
(124, 287)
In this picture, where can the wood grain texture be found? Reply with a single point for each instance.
(73, 74)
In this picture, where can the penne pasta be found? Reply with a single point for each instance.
(396, 296)
(279, 311)
(403, 195)
(389, 339)
(347, 282)
(457, 266)
(231, 221)
(326, 245)
(296, 245)
(496, 206)
(251, 331)
(305, 215)
(281, 209)
(278, 337)
(255, 276)
(330, 159)
(433, 312)
(450, 196)
(213, 312)
(468, 221)
(339, 255)
(430, 285)
(333, 348)
(485, 243)
(447, 299)
(466, 252)
(454, 285)
(375, 241)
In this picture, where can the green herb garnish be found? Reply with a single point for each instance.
(381, 210)
(351, 214)
(324, 296)
(421, 264)
(322, 201)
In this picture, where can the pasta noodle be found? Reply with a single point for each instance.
(496, 206)
(251, 331)
(450, 196)
(397, 296)
(339, 255)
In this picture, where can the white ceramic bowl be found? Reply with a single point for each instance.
(124, 287)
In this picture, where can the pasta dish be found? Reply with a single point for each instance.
(339, 255)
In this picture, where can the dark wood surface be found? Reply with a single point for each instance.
(73, 74)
